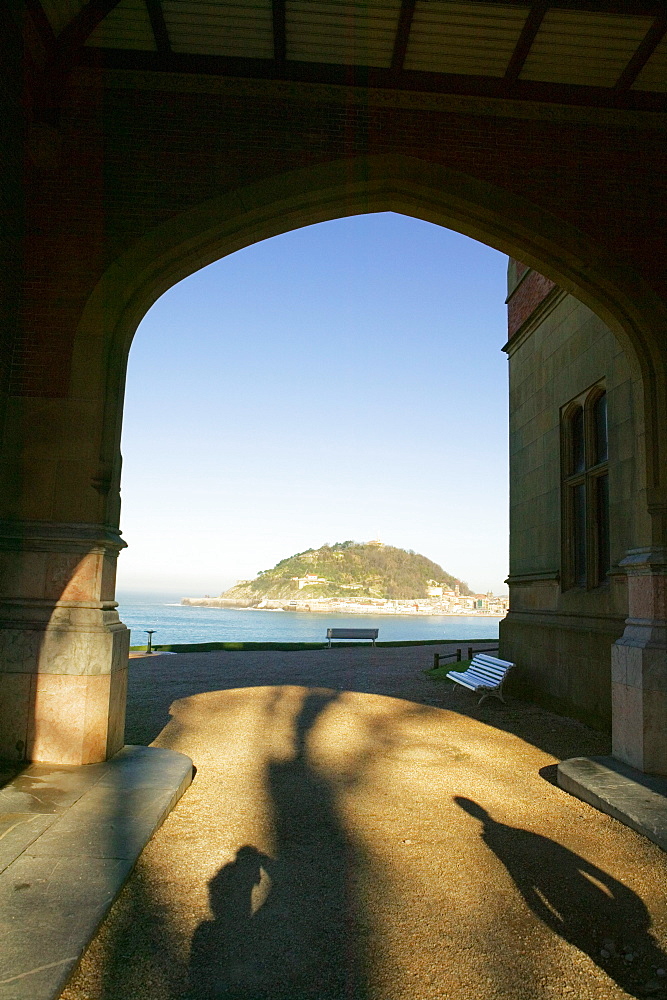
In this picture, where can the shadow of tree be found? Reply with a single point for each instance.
(580, 902)
(155, 684)
(298, 941)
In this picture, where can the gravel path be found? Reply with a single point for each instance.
(356, 831)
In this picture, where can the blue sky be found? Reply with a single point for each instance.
(341, 381)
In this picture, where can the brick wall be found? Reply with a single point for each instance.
(525, 299)
(11, 190)
(130, 159)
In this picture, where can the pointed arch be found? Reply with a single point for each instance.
(388, 183)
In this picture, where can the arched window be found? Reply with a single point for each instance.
(585, 491)
(577, 437)
(600, 484)
(600, 428)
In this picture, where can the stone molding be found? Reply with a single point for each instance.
(650, 561)
(56, 536)
(516, 579)
(54, 620)
(519, 579)
(581, 622)
(44, 602)
(645, 633)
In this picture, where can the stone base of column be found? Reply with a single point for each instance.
(639, 667)
(64, 718)
(63, 649)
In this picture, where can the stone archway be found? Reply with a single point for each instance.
(68, 648)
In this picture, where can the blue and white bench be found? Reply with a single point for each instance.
(352, 633)
(485, 673)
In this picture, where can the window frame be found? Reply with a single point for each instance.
(595, 530)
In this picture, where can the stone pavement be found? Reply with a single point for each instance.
(69, 837)
(639, 800)
(356, 831)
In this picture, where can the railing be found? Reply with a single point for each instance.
(446, 656)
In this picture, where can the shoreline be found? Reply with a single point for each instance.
(249, 645)
(397, 609)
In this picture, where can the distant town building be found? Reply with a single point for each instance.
(310, 580)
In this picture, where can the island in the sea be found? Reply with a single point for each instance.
(357, 578)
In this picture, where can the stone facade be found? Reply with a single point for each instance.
(561, 636)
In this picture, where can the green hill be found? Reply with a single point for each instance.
(350, 569)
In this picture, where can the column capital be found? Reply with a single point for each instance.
(56, 536)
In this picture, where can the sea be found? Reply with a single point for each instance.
(174, 622)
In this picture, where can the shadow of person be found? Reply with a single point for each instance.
(300, 943)
(223, 946)
(579, 901)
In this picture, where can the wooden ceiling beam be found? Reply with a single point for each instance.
(279, 34)
(361, 76)
(62, 55)
(42, 24)
(75, 34)
(528, 34)
(159, 26)
(645, 50)
(625, 8)
(402, 35)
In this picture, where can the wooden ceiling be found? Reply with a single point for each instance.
(600, 53)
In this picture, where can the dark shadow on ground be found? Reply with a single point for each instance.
(550, 774)
(580, 902)
(298, 941)
(9, 770)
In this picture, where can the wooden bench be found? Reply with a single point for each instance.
(485, 673)
(352, 633)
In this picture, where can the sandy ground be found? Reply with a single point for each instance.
(356, 831)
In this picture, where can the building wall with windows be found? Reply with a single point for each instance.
(574, 508)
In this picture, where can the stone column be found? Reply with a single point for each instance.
(63, 649)
(639, 665)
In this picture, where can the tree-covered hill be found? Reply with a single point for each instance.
(350, 569)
